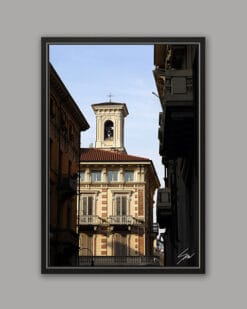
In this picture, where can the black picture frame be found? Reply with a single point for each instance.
(198, 139)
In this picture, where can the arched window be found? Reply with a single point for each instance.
(108, 130)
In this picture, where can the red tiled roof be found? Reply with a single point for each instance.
(100, 155)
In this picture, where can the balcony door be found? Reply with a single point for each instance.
(87, 209)
(120, 245)
(121, 210)
(86, 245)
(87, 206)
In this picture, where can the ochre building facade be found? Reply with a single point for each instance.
(115, 205)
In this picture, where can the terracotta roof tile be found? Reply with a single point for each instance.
(96, 154)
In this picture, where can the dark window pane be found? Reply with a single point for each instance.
(90, 205)
(118, 206)
(112, 176)
(82, 176)
(128, 175)
(124, 205)
(96, 176)
(84, 210)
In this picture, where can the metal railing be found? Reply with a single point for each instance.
(119, 261)
(112, 220)
(91, 219)
(124, 220)
(120, 220)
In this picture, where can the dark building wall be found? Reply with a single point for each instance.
(65, 124)
(176, 77)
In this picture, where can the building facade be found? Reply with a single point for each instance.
(176, 77)
(65, 125)
(115, 207)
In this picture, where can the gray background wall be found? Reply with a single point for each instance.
(22, 23)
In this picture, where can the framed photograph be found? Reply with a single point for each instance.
(123, 155)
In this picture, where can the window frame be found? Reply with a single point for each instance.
(114, 173)
(86, 213)
(96, 173)
(131, 172)
(80, 178)
(121, 205)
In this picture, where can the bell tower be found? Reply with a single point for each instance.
(110, 125)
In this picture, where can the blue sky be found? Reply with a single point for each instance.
(91, 72)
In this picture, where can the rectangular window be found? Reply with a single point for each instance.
(129, 176)
(112, 176)
(96, 176)
(121, 206)
(87, 210)
(82, 176)
(87, 206)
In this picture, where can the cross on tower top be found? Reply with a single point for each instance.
(110, 96)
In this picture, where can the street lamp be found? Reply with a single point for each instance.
(160, 99)
(155, 94)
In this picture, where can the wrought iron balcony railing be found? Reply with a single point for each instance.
(90, 220)
(124, 220)
(112, 220)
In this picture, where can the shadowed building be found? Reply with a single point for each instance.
(176, 76)
(65, 124)
(115, 209)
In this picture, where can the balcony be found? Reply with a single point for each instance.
(92, 223)
(164, 208)
(111, 224)
(90, 220)
(124, 220)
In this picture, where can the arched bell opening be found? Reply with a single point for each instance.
(108, 130)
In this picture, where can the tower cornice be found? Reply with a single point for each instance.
(110, 106)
